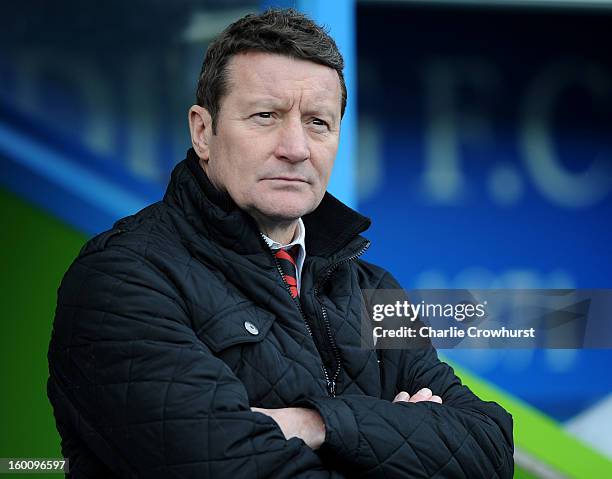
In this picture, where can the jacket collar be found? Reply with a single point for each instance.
(330, 227)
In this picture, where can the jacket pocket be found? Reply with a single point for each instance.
(239, 324)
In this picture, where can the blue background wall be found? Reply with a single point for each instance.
(485, 160)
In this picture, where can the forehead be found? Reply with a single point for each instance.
(254, 75)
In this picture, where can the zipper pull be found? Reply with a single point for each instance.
(331, 387)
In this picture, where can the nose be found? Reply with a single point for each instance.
(292, 143)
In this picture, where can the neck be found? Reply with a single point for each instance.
(282, 233)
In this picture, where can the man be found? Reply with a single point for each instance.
(216, 333)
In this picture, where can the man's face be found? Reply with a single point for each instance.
(277, 135)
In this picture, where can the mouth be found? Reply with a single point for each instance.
(293, 179)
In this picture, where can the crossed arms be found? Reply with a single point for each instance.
(308, 425)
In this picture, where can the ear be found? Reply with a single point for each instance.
(200, 126)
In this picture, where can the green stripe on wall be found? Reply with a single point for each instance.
(540, 436)
(35, 251)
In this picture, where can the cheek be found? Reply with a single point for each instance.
(224, 158)
(220, 169)
(324, 163)
(241, 152)
(216, 170)
(235, 169)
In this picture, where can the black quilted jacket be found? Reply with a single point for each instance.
(153, 365)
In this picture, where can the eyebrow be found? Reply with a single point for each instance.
(266, 100)
(275, 102)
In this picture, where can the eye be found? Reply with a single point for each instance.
(263, 118)
(320, 126)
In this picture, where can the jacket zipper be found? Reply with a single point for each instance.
(330, 381)
(296, 302)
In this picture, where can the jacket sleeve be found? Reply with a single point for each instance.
(464, 437)
(130, 378)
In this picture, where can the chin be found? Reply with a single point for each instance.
(287, 210)
(283, 204)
